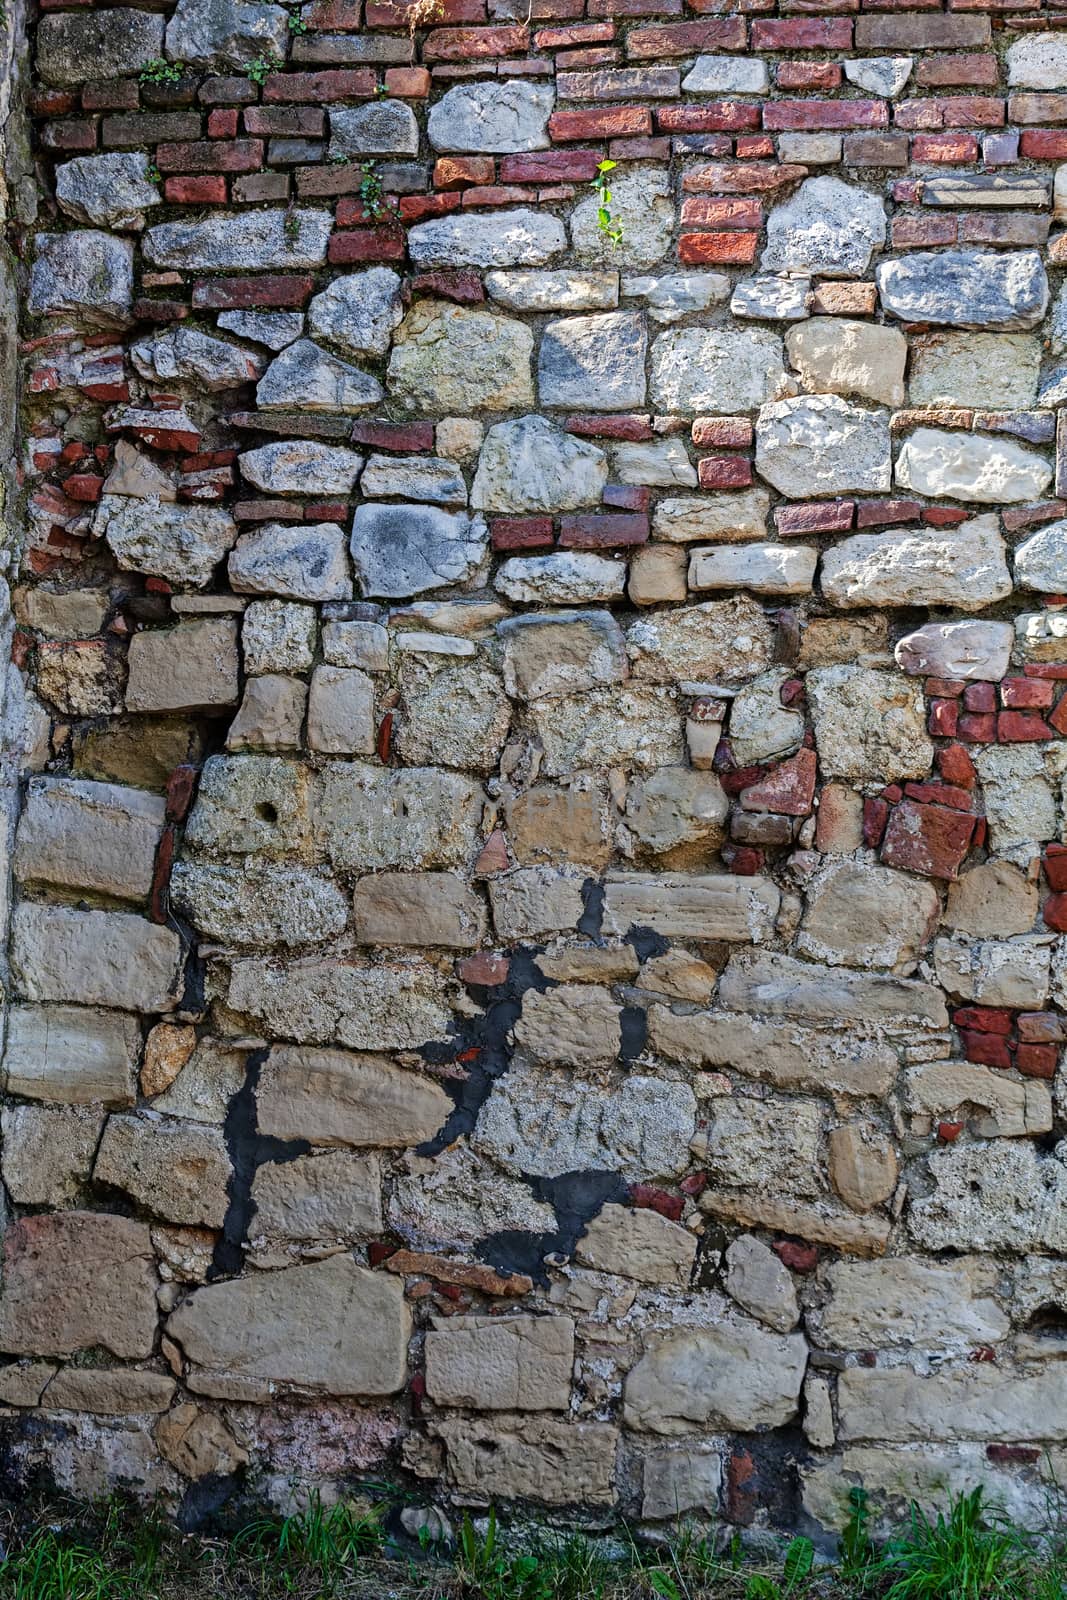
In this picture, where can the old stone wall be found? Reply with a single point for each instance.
(536, 971)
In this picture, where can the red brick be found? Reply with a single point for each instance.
(320, 88)
(520, 533)
(1035, 693)
(797, 1257)
(738, 249)
(222, 124)
(957, 72)
(632, 429)
(787, 789)
(954, 147)
(728, 433)
(1037, 1060)
(947, 516)
(750, 147)
(986, 1049)
(737, 177)
(452, 172)
(550, 166)
(641, 149)
(1018, 229)
(803, 33)
(307, 122)
(1056, 866)
(977, 728)
(465, 287)
(626, 496)
(485, 970)
(580, 33)
(263, 289)
(724, 472)
(780, 115)
(807, 75)
(201, 190)
(1022, 727)
(956, 766)
(366, 244)
(334, 16)
(602, 531)
(875, 816)
(722, 116)
(78, 133)
(405, 436)
(1044, 144)
(407, 83)
(1040, 1027)
(611, 122)
(912, 232)
(475, 44)
(52, 102)
(980, 697)
(109, 96)
(1054, 912)
(207, 155)
(686, 38)
(398, 13)
(824, 516)
(986, 1019)
(943, 719)
(940, 794)
(932, 840)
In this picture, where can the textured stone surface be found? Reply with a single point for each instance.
(962, 566)
(595, 363)
(95, 958)
(225, 33)
(532, 465)
(402, 550)
(965, 288)
(511, 239)
(827, 226)
(281, 239)
(77, 1280)
(501, 1363)
(87, 271)
(498, 117)
(183, 544)
(116, 42)
(731, 1376)
(448, 356)
(641, 205)
(94, 836)
(836, 355)
(868, 724)
(298, 563)
(821, 445)
(64, 1053)
(110, 191)
(708, 369)
(955, 369)
(359, 312)
(937, 462)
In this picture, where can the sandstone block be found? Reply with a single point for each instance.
(843, 357)
(531, 1458)
(971, 649)
(413, 818)
(536, 900)
(674, 807)
(572, 1025)
(95, 958)
(334, 1196)
(686, 1479)
(761, 1284)
(956, 369)
(782, 1054)
(335, 1097)
(188, 668)
(979, 1404)
(501, 1363)
(177, 1170)
(863, 1166)
(560, 653)
(995, 972)
(271, 714)
(418, 908)
(94, 836)
(66, 1054)
(860, 915)
(760, 568)
(687, 906)
(632, 725)
(341, 712)
(991, 901)
(638, 1244)
(937, 462)
(777, 985)
(909, 1304)
(48, 1152)
(563, 578)
(327, 999)
(725, 641)
(731, 1376)
(736, 517)
(76, 1279)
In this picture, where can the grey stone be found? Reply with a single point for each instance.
(881, 75)
(268, 1327)
(827, 226)
(177, 1170)
(820, 445)
(761, 727)
(301, 562)
(1040, 561)
(638, 1244)
(663, 464)
(277, 636)
(718, 641)
(674, 807)
(965, 288)
(736, 517)
(968, 649)
(336, 1097)
(678, 1481)
(838, 355)
(565, 290)
(414, 817)
(962, 566)
(182, 543)
(258, 903)
(761, 1284)
(761, 568)
(95, 958)
(593, 363)
(492, 118)
(341, 712)
(1020, 801)
(696, 370)
(536, 900)
(306, 378)
(301, 466)
(71, 1056)
(425, 478)
(403, 550)
(450, 357)
(563, 578)
(529, 464)
(221, 34)
(1037, 61)
(953, 369)
(519, 238)
(726, 75)
(1012, 190)
(356, 644)
(81, 835)
(670, 295)
(941, 463)
(545, 1123)
(116, 43)
(778, 985)
(275, 329)
(734, 1375)
(573, 1024)
(634, 725)
(108, 191)
(771, 298)
(84, 272)
(382, 128)
(340, 1000)
(188, 668)
(988, 1102)
(1005, 1195)
(561, 653)
(333, 1196)
(283, 239)
(187, 354)
(868, 724)
(358, 312)
(642, 206)
(995, 972)
(452, 715)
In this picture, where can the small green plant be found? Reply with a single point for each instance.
(605, 222)
(160, 71)
(855, 1547)
(799, 1561)
(153, 174)
(376, 203)
(973, 1553)
(318, 1542)
(291, 225)
(259, 70)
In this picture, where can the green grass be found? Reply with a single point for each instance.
(346, 1552)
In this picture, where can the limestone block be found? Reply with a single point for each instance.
(302, 562)
(287, 240)
(71, 1055)
(177, 1170)
(909, 1304)
(938, 462)
(593, 363)
(572, 1025)
(335, 1097)
(300, 466)
(536, 900)
(1020, 801)
(956, 369)
(716, 370)
(734, 1375)
(1000, 1196)
(868, 724)
(995, 972)
(418, 908)
(531, 1458)
(975, 1404)
(642, 206)
(836, 355)
(863, 1166)
(778, 986)
(336, 1195)
(84, 272)
(498, 118)
(413, 818)
(304, 377)
(686, 519)
(188, 668)
(48, 1152)
(324, 1000)
(258, 902)
(358, 312)
(183, 544)
(517, 238)
(725, 641)
(760, 568)
(185, 354)
(268, 1327)
(726, 75)
(95, 836)
(426, 478)
(638, 1244)
(761, 1284)
(501, 1363)
(561, 653)
(691, 906)
(226, 33)
(452, 715)
(765, 1145)
(632, 726)
(827, 226)
(686, 1479)
(782, 1054)
(676, 806)
(382, 128)
(979, 289)
(948, 1089)
(532, 465)
(117, 42)
(861, 915)
(821, 445)
(271, 714)
(663, 464)
(76, 1279)
(1040, 561)
(341, 712)
(109, 191)
(993, 900)
(95, 958)
(561, 290)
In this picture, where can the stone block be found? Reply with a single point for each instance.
(192, 667)
(75, 1280)
(95, 958)
(94, 836)
(501, 1363)
(71, 1055)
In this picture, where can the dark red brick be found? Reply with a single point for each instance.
(366, 244)
(807, 75)
(787, 789)
(929, 839)
(463, 286)
(612, 122)
(475, 44)
(724, 472)
(602, 531)
(783, 115)
(986, 1049)
(985, 1019)
(410, 437)
(275, 290)
(594, 425)
(824, 516)
(1022, 727)
(1037, 1060)
(720, 116)
(686, 38)
(201, 190)
(320, 88)
(803, 33)
(520, 533)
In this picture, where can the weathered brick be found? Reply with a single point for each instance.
(206, 155)
(803, 33)
(202, 190)
(725, 248)
(474, 44)
(621, 83)
(780, 115)
(320, 88)
(567, 126)
(686, 38)
(723, 116)
(264, 289)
